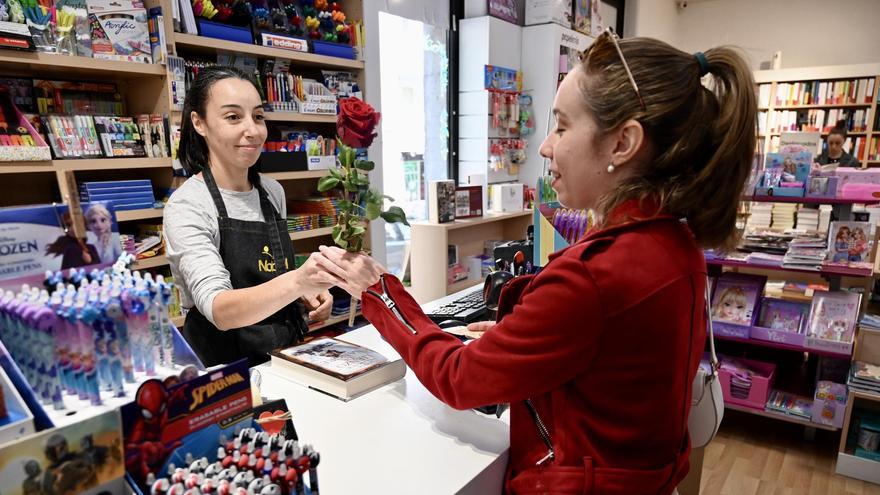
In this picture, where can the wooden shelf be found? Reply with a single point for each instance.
(201, 44)
(308, 174)
(84, 164)
(464, 284)
(178, 321)
(131, 215)
(306, 234)
(817, 107)
(299, 117)
(865, 395)
(49, 64)
(331, 321)
(780, 416)
(154, 262)
(471, 222)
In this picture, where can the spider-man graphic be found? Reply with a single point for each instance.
(145, 451)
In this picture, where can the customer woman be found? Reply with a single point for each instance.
(596, 353)
(227, 239)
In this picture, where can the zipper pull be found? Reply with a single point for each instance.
(549, 457)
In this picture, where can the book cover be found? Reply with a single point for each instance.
(735, 298)
(850, 244)
(788, 316)
(333, 357)
(468, 201)
(866, 371)
(441, 201)
(833, 316)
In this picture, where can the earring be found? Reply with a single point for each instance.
(610, 168)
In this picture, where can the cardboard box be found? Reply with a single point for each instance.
(547, 11)
(504, 198)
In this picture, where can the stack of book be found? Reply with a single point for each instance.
(806, 252)
(766, 241)
(789, 403)
(824, 217)
(807, 219)
(760, 216)
(783, 215)
(864, 377)
(870, 321)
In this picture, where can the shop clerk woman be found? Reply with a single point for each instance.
(228, 244)
(605, 341)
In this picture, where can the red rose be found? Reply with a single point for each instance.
(356, 122)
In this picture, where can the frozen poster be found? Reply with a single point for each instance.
(35, 239)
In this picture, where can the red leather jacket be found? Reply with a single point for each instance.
(604, 341)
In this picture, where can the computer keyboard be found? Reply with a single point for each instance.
(468, 309)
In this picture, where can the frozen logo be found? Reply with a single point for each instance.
(22, 247)
(117, 27)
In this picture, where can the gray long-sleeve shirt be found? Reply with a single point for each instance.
(192, 237)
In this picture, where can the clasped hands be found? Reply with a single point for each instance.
(352, 272)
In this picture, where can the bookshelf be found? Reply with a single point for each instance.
(827, 81)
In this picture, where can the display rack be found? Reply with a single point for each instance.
(836, 276)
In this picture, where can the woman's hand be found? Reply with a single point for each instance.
(313, 279)
(356, 271)
(480, 326)
(319, 306)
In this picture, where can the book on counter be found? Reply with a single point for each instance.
(336, 367)
(441, 201)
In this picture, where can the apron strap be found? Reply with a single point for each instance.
(215, 192)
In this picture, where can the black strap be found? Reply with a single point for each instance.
(270, 216)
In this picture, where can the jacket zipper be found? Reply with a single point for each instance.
(542, 431)
(390, 304)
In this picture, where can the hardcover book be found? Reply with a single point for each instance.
(441, 201)
(832, 322)
(850, 244)
(734, 303)
(341, 369)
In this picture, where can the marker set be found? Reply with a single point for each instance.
(88, 341)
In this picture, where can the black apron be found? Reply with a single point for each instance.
(253, 253)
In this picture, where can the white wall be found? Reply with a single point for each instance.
(808, 32)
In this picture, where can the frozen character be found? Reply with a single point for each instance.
(732, 306)
(100, 224)
(858, 248)
(841, 245)
(115, 365)
(31, 485)
(74, 251)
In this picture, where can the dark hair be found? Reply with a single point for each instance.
(839, 129)
(193, 150)
(702, 138)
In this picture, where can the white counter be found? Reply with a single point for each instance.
(398, 439)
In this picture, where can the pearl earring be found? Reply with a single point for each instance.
(610, 168)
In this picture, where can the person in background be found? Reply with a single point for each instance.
(597, 353)
(227, 239)
(834, 153)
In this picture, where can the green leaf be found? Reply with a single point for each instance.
(394, 215)
(349, 186)
(373, 210)
(361, 181)
(365, 165)
(334, 172)
(327, 182)
(344, 205)
(338, 237)
(358, 230)
(347, 156)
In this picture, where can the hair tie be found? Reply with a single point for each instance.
(704, 64)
